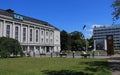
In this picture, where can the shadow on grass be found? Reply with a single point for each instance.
(114, 65)
(97, 66)
(64, 72)
(97, 63)
(92, 68)
(114, 58)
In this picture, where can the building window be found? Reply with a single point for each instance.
(41, 32)
(24, 34)
(0, 25)
(42, 40)
(16, 33)
(0, 30)
(24, 48)
(51, 33)
(46, 33)
(31, 35)
(56, 38)
(51, 41)
(8, 31)
(36, 35)
(46, 40)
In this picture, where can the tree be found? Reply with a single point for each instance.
(65, 40)
(9, 46)
(72, 41)
(91, 43)
(116, 13)
(77, 40)
(76, 35)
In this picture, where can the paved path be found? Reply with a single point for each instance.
(114, 62)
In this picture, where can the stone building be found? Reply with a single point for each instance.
(34, 35)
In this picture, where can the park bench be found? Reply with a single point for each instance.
(85, 55)
(42, 54)
(63, 54)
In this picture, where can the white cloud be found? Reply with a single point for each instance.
(89, 31)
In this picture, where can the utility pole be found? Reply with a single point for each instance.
(85, 38)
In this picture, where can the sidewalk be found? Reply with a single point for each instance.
(114, 62)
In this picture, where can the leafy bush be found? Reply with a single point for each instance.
(9, 46)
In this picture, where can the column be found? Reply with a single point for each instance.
(21, 34)
(50, 49)
(4, 28)
(33, 35)
(105, 44)
(28, 34)
(1, 28)
(45, 49)
(49, 37)
(40, 36)
(44, 37)
(34, 50)
(13, 30)
(28, 51)
(94, 45)
(28, 48)
(39, 49)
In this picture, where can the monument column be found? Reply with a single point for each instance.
(110, 45)
(94, 45)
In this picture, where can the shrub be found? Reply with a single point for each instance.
(9, 46)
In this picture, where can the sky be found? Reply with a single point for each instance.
(68, 15)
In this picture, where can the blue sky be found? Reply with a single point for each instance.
(69, 15)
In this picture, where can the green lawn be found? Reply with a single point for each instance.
(53, 66)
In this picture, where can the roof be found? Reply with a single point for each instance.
(10, 12)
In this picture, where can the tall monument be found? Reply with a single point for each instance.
(110, 45)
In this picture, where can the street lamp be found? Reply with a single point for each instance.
(84, 28)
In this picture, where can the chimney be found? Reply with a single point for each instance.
(10, 11)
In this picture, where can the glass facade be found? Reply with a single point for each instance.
(101, 32)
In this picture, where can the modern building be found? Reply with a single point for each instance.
(34, 35)
(100, 33)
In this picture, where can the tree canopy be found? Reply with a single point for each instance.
(116, 12)
(9, 46)
(73, 41)
(77, 40)
(65, 40)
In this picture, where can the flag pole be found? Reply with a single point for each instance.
(85, 38)
(86, 44)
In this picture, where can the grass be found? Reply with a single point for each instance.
(53, 66)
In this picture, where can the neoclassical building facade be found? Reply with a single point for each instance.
(34, 35)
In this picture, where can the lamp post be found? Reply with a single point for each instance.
(73, 54)
(86, 44)
(85, 38)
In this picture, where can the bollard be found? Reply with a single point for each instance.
(73, 54)
(51, 55)
(93, 54)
